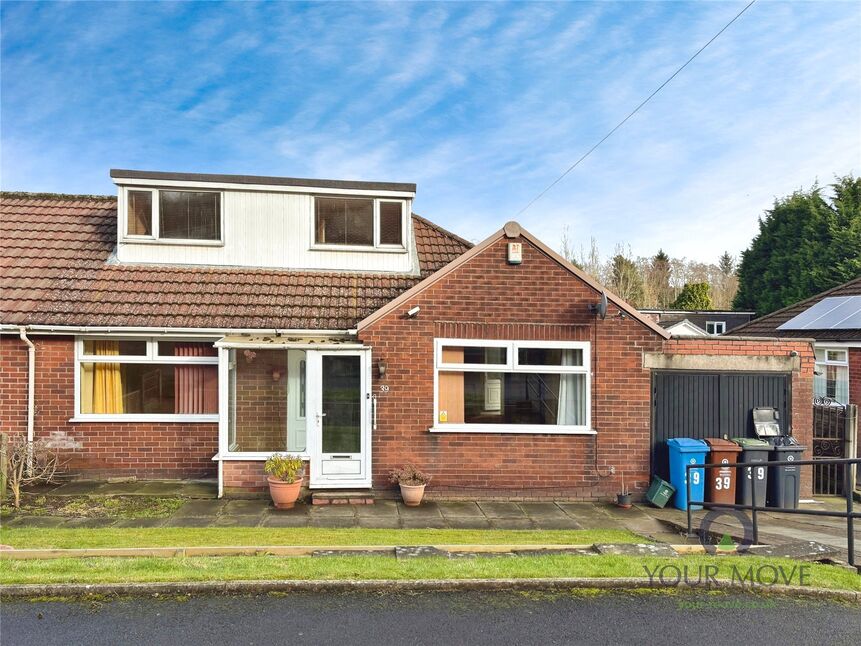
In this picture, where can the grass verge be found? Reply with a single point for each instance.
(60, 538)
(127, 570)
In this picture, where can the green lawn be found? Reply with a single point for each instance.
(249, 536)
(122, 570)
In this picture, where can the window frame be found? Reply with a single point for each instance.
(151, 357)
(512, 366)
(155, 224)
(377, 246)
(840, 363)
(722, 325)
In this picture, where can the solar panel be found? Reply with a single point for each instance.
(832, 313)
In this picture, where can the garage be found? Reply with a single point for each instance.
(700, 404)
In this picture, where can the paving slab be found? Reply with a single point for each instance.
(380, 509)
(501, 510)
(159, 488)
(245, 507)
(457, 509)
(556, 523)
(199, 489)
(121, 489)
(541, 510)
(464, 522)
(425, 510)
(285, 520)
(424, 523)
(77, 488)
(37, 521)
(140, 523)
(333, 511)
(90, 523)
(245, 520)
(191, 521)
(331, 521)
(367, 522)
(512, 523)
(200, 507)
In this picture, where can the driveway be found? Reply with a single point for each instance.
(435, 618)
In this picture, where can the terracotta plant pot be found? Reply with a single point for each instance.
(623, 500)
(412, 494)
(284, 494)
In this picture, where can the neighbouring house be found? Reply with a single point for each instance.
(833, 319)
(699, 322)
(195, 324)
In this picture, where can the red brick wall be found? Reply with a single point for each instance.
(855, 376)
(488, 298)
(261, 400)
(802, 380)
(95, 450)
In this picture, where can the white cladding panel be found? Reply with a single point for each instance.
(263, 229)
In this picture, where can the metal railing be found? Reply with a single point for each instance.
(850, 515)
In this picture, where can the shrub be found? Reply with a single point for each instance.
(287, 468)
(409, 475)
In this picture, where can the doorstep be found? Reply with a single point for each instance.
(364, 497)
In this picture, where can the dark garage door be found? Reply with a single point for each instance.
(711, 404)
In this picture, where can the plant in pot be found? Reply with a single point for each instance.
(623, 498)
(285, 479)
(412, 483)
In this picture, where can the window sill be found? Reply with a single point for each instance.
(173, 242)
(171, 419)
(512, 428)
(353, 248)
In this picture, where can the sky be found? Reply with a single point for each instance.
(482, 105)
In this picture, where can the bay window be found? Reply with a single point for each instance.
(512, 386)
(146, 379)
(831, 374)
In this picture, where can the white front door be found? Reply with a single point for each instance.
(339, 408)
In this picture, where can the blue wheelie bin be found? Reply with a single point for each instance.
(684, 451)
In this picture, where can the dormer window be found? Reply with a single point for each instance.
(359, 222)
(173, 215)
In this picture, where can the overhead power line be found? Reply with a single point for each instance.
(635, 110)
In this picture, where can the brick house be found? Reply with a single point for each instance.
(195, 324)
(833, 319)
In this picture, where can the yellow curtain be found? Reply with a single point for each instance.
(108, 381)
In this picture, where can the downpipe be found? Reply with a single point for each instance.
(31, 394)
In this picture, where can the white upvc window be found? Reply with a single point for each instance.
(715, 327)
(359, 223)
(171, 216)
(483, 386)
(145, 379)
(831, 373)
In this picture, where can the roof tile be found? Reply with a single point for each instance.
(54, 270)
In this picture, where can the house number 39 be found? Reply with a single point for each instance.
(384, 388)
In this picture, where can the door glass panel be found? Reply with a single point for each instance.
(342, 404)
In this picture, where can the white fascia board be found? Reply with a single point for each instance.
(267, 188)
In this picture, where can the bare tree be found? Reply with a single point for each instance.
(29, 463)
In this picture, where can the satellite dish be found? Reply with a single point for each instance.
(602, 306)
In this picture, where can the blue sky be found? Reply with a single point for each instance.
(482, 105)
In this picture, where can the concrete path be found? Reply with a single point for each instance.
(384, 514)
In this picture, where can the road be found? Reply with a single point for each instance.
(434, 618)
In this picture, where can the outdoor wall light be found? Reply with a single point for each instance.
(793, 353)
(381, 368)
